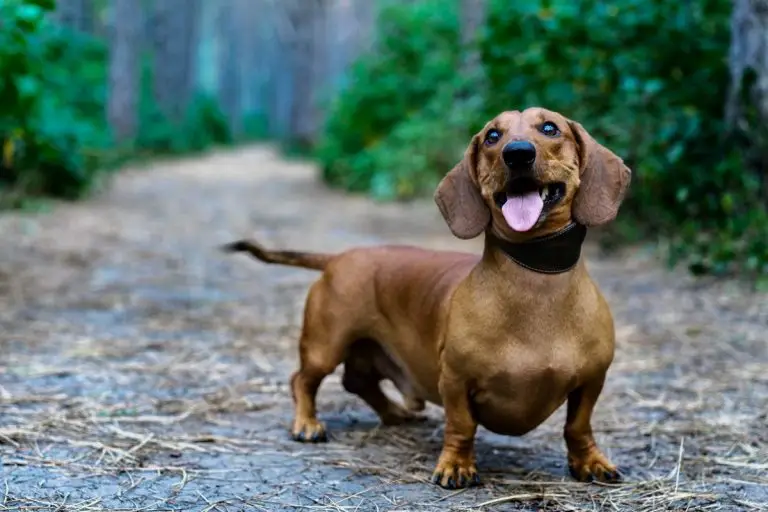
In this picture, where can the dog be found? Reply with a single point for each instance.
(501, 339)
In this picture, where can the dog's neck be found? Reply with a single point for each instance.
(554, 253)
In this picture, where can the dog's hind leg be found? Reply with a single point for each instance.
(323, 345)
(365, 367)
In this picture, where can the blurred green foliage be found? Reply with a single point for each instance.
(45, 119)
(417, 50)
(54, 134)
(203, 124)
(647, 78)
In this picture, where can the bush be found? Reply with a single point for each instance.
(417, 49)
(204, 124)
(53, 94)
(629, 72)
(646, 78)
(45, 119)
(404, 163)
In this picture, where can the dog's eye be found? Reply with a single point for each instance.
(492, 137)
(550, 129)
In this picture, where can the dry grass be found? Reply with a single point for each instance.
(143, 371)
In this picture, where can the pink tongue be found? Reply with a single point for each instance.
(522, 212)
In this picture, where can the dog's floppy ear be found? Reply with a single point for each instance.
(459, 199)
(604, 181)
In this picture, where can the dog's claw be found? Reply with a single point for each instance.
(455, 474)
(595, 467)
(309, 431)
(575, 474)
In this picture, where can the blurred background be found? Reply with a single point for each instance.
(385, 95)
(141, 369)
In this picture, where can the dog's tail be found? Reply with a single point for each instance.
(310, 260)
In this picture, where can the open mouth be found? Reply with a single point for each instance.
(525, 199)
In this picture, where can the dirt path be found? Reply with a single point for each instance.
(143, 370)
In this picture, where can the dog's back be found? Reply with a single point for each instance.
(393, 295)
(396, 296)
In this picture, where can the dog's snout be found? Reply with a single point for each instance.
(519, 154)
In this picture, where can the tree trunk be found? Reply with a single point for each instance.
(76, 14)
(320, 64)
(304, 116)
(124, 52)
(364, 21)
(749, 53)
(281, 97)
(174, 43)
(207, 52)
(254, 30)
(472, 18)
(229, 76)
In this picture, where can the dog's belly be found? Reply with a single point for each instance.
(414, 381)
(514, 404)
(417, 371)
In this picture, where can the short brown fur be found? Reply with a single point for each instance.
(494, 343)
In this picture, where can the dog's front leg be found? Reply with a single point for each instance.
(585, 460)
(456, 465)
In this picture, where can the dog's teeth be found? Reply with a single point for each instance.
(544, 193)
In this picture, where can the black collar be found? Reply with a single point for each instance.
(549, 254)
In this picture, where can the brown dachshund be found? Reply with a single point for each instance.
(499, 340)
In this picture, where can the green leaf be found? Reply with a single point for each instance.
(28, 86)
(47, 5)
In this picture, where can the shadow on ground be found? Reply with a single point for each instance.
(143, 370)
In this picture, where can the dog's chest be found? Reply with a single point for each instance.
(523, 353)
(526, 384)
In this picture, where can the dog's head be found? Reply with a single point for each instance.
(530, 173)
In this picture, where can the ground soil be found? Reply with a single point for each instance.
(141, 369)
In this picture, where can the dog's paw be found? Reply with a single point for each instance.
(414, 404)
(308, 431)
(594, 466)
(400, 416)
(455, 472)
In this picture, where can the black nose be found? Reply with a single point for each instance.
(519, 154)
